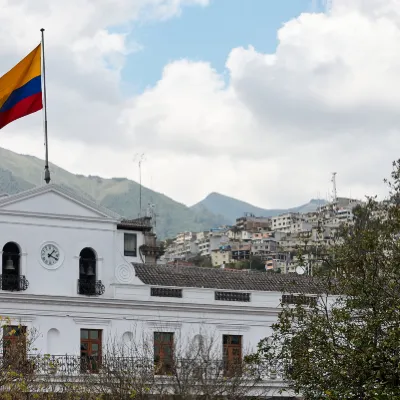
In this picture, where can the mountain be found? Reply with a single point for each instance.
(231, 208)
(21, 172)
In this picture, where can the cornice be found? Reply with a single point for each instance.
(56, 217)
(62, 191)
(164, 325)
(21, 317)
(233, 328)
(91, 321)
(152, 305)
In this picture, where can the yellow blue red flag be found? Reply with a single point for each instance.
(21, 89)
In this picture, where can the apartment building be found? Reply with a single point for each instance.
(284, 222)
(203, 243)
(249, 222)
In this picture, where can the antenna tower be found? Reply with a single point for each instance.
(334, 186)
(140, 159)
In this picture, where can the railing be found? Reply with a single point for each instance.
(13, 283)
(70, 365)
(90, 287)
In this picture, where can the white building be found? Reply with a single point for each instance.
(300, 226)
(203, 243)
(283, 222)
(75, 271)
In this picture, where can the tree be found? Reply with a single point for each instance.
(346, 344)
(201, 261)
(255, 263)
(17, 371)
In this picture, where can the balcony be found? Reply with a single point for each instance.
(13, 283)
(89, 287)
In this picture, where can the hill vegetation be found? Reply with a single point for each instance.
(21, 172)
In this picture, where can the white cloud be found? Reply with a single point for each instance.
(327, 100)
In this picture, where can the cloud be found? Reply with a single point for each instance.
(270, 129)
(86, 45)
(325, 101)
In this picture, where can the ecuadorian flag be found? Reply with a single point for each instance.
(21, 89)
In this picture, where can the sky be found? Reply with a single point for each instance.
(259, 100)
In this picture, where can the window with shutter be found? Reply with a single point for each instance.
(130, 244)
(232, 354)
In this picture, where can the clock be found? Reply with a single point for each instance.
(51, 256)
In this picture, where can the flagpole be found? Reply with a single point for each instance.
(46, 166)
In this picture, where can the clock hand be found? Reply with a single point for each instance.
(51, 255)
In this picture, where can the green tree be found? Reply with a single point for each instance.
(346, 345)
(255, 263)
(201, 261)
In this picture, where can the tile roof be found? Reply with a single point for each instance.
(140, 224)
(213, 278)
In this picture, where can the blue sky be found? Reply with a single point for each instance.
(207, 34)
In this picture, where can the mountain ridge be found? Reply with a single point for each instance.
(20, 172)
(232, 208)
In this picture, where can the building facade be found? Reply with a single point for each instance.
(79, 274)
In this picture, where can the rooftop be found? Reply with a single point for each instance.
(137, 224)
(213, 278)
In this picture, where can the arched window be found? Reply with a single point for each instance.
(10, 271)
(87, 272)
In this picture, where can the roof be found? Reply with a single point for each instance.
(66, 192)
(213, 278)
(138, 224)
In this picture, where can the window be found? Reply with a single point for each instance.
(14, 338)
(232, 296)
(14, 348)
(166, 292)
(90, 350)
(130, 242)
(232, 354)
(163, 352)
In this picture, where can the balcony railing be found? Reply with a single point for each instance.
(13, 283)
(71, 365)
(90, 287)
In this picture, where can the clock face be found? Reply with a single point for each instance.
(50, 254)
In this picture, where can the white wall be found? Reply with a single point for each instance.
(31, 229)
(51, 303)
(186, 317)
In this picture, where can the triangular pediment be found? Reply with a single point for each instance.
(54, 200)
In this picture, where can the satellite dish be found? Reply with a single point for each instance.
(300, 270)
